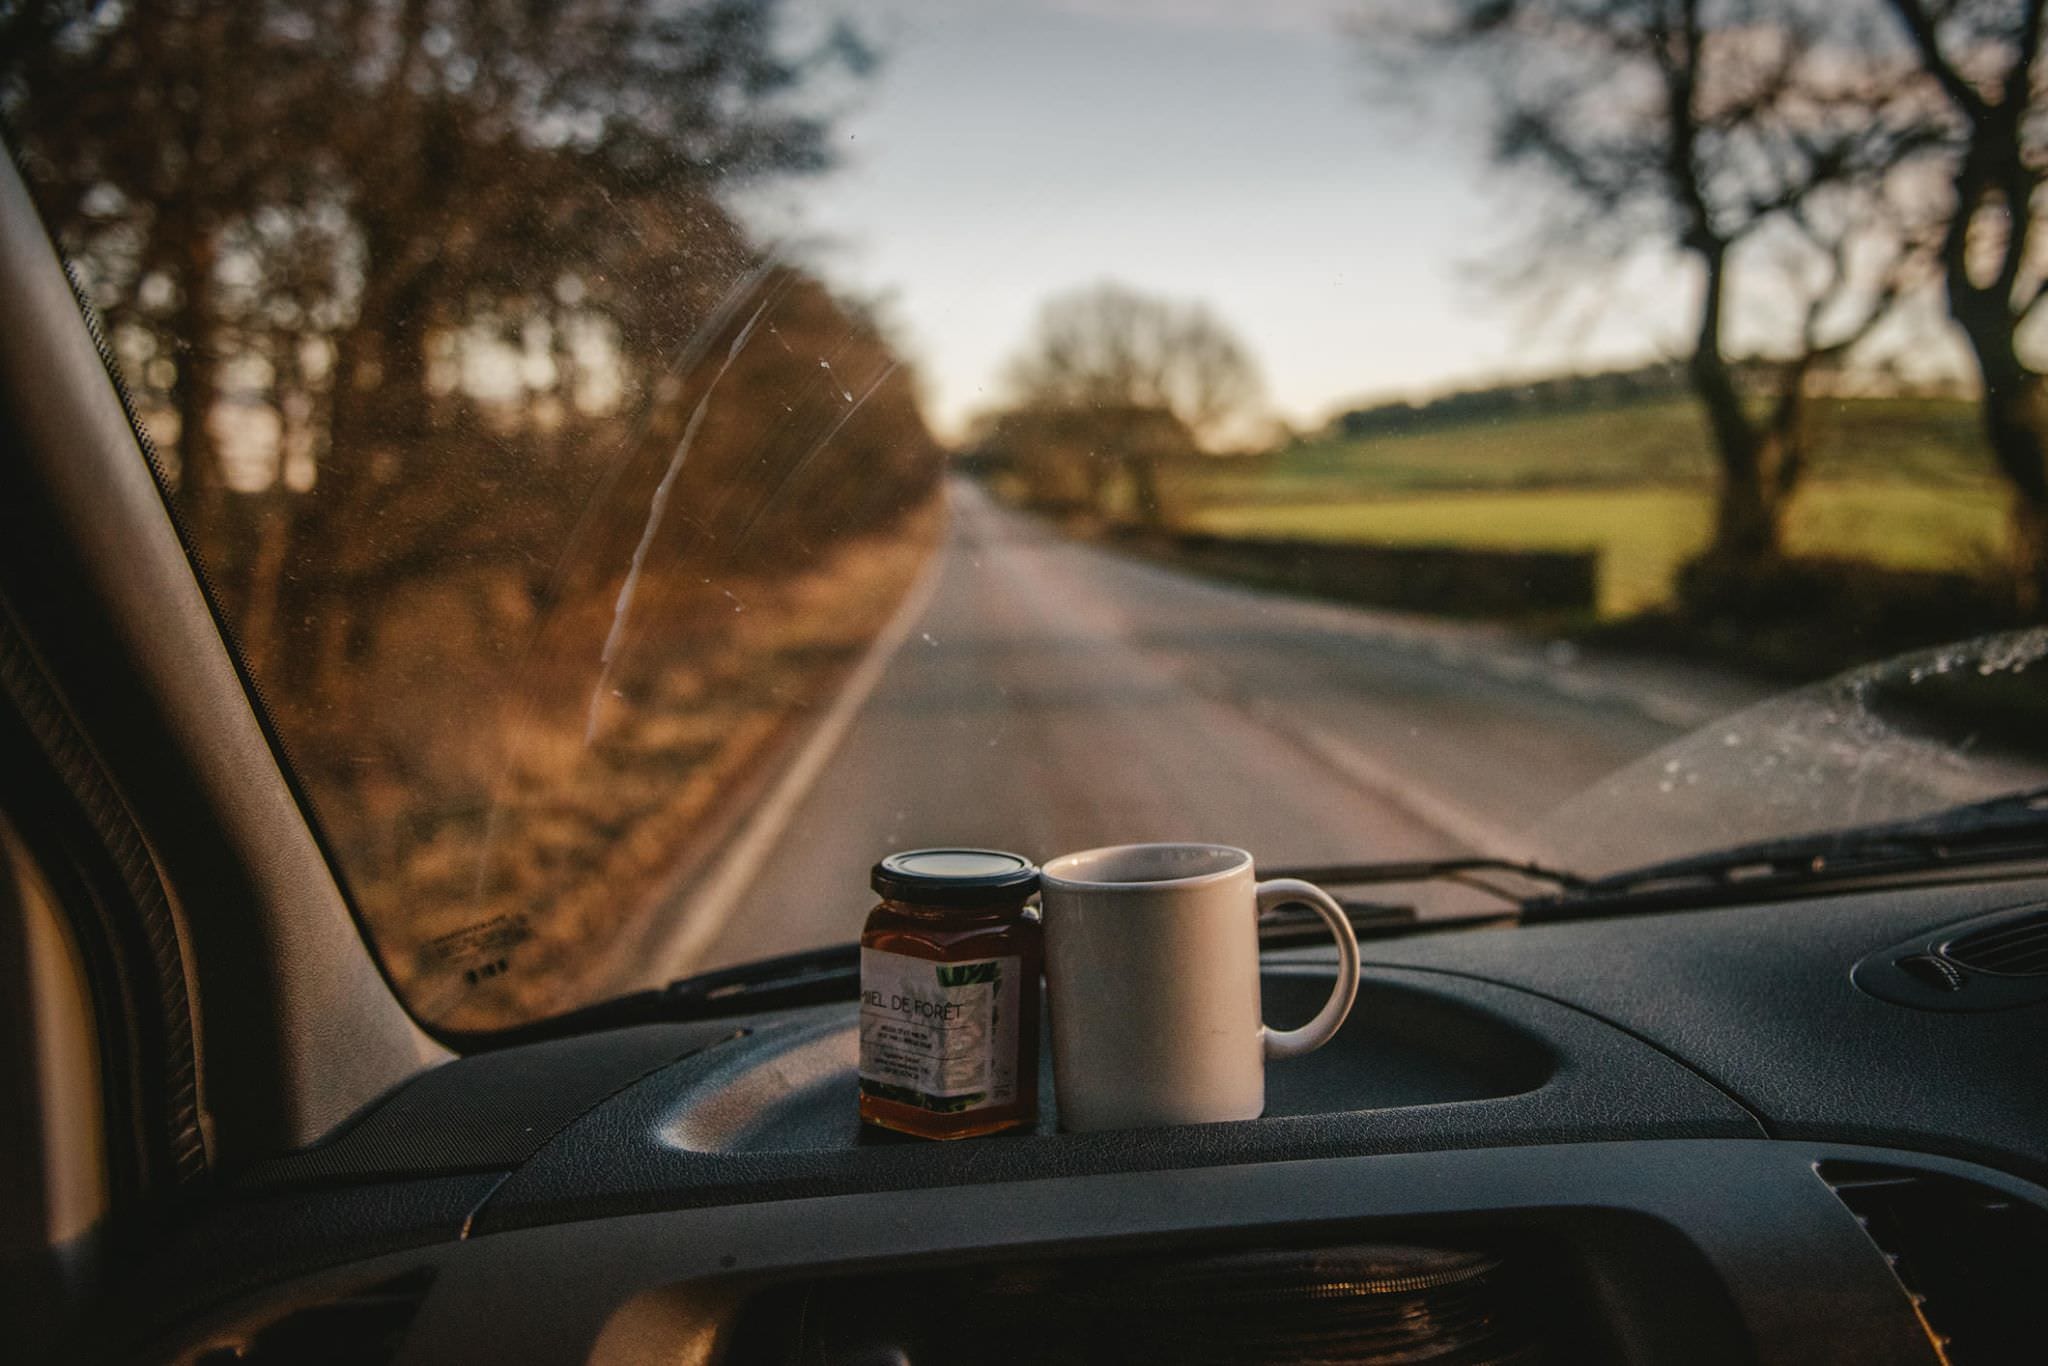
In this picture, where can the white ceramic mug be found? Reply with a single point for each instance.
(1152, 978)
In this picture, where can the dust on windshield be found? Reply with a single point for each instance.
(655, 456)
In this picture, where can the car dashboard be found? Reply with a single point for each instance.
(1712, 1136)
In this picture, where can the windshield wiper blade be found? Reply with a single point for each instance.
(1470, 872)
(808, 977)
(1994, 830)
(1290, 924)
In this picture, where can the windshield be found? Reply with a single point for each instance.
(654, 457)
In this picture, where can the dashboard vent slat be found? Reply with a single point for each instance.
(2016, 950)
(1971, 1258)
(1997, 960)
(1356, 1305)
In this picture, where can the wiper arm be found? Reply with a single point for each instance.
(810, 977)
(1464, 870)
(1387, 920)
(2000, 828)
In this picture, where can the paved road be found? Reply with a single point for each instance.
(1054, 696)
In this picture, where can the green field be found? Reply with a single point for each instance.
(1901, 482)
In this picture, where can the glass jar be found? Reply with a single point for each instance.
(949, 970)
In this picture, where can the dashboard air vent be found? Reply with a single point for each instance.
(1358, 1305)
(1994, 961)
(1371, 1304)
(361, 1329)
(2016, 948)
(1971, 1258)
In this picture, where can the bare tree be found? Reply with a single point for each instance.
(362, 180)
(1111, 346)
(1071, 458)
(1983, 59)
(1704, 128)
(1113, 386)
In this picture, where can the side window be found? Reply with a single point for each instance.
(539, 493)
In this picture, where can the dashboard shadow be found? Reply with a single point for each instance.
(1401, 1048)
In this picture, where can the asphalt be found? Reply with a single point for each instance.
(1051, 695)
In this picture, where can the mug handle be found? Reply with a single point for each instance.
(1287, 891)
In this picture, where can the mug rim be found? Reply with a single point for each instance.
(1048, 876)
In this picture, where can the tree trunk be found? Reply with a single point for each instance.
(1745, 512)
(2030, 554)
(1994, 171)
(304, 599)
(1146, 503)
(2016, 428)
(377, 411)
(200, 482)
(261, 625)
(1784, 457)
(1098, 481)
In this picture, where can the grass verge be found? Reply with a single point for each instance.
(1646, 534)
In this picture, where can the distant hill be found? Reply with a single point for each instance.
(1560, 393)
(1580, 393)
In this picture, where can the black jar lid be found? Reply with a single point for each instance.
(955, 877)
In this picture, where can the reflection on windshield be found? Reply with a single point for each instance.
(656, 456)
(540, 495)
(1888, 742)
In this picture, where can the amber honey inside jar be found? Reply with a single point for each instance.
(949, 970)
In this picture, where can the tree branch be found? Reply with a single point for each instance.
(2019, 78)
(1920, 27)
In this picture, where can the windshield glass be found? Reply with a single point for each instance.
(1908, 738)
(653, 457)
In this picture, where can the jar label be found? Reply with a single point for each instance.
(939, 1036)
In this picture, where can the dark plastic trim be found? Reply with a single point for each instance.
(1692, 1251)
(297, 1029)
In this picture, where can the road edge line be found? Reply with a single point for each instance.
(1477, 833)
(706, 909)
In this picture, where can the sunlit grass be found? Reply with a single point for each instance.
(1645, 534)
(1900, 481)
(1661, 441)
(1911, 526)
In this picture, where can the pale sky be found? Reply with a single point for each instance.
(1011, 149)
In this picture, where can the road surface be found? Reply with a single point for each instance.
(1052, 695)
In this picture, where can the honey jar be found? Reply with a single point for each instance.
(949, 970)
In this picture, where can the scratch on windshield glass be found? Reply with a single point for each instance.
(622, 611)
(854, 405)
(845, 393)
